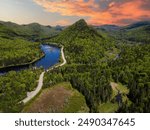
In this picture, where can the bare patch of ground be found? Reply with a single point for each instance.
(59, 98)
(50, 100)
(114, 86)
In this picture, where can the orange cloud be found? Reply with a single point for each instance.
(115, 13)
(62, 22)
(68, 7)
(111, 4)
(119, 13)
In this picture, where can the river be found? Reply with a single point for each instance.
(52, 55)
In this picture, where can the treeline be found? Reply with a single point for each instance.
(91, 80)
(18, 51)
(14, 87)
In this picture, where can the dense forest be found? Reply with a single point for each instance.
(14, 87)
(87, 67)
(18, 51)
(132, 68)
(96, 58)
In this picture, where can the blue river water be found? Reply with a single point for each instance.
(52, 55)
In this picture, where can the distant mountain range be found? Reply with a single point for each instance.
(137, 25)
(107, 27)
(136, 32)
(139, 31)
(116, 28)
(33, 30)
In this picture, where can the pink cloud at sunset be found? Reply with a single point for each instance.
(99, 12)
(62, 22)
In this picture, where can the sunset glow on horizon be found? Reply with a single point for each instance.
(66, 12)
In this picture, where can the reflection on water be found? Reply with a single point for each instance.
(51, 58)
(52, 55)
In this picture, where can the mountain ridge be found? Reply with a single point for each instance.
(78, 30)
(31, 31)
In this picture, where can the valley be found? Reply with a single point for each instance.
(100, 64)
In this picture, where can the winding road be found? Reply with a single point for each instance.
(32, 94)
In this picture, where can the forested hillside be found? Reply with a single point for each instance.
(135, 33)
(108, 65)
(33, 31)
(14, 87)
(17, 42)
(94, 60)
(83, 44)
(133, 70)
(18, 51)
(87, 52)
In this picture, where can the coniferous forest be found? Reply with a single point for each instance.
(110, 69)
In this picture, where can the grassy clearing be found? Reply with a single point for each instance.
(112, 106)
(108, 107)
(59, 98)
(118, 87)
(123, 89)
(111, 54)
(76, 103)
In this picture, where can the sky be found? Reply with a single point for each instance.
(66, 12)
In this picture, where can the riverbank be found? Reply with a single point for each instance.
(10, 67)
(63, 59)
(32, 94)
